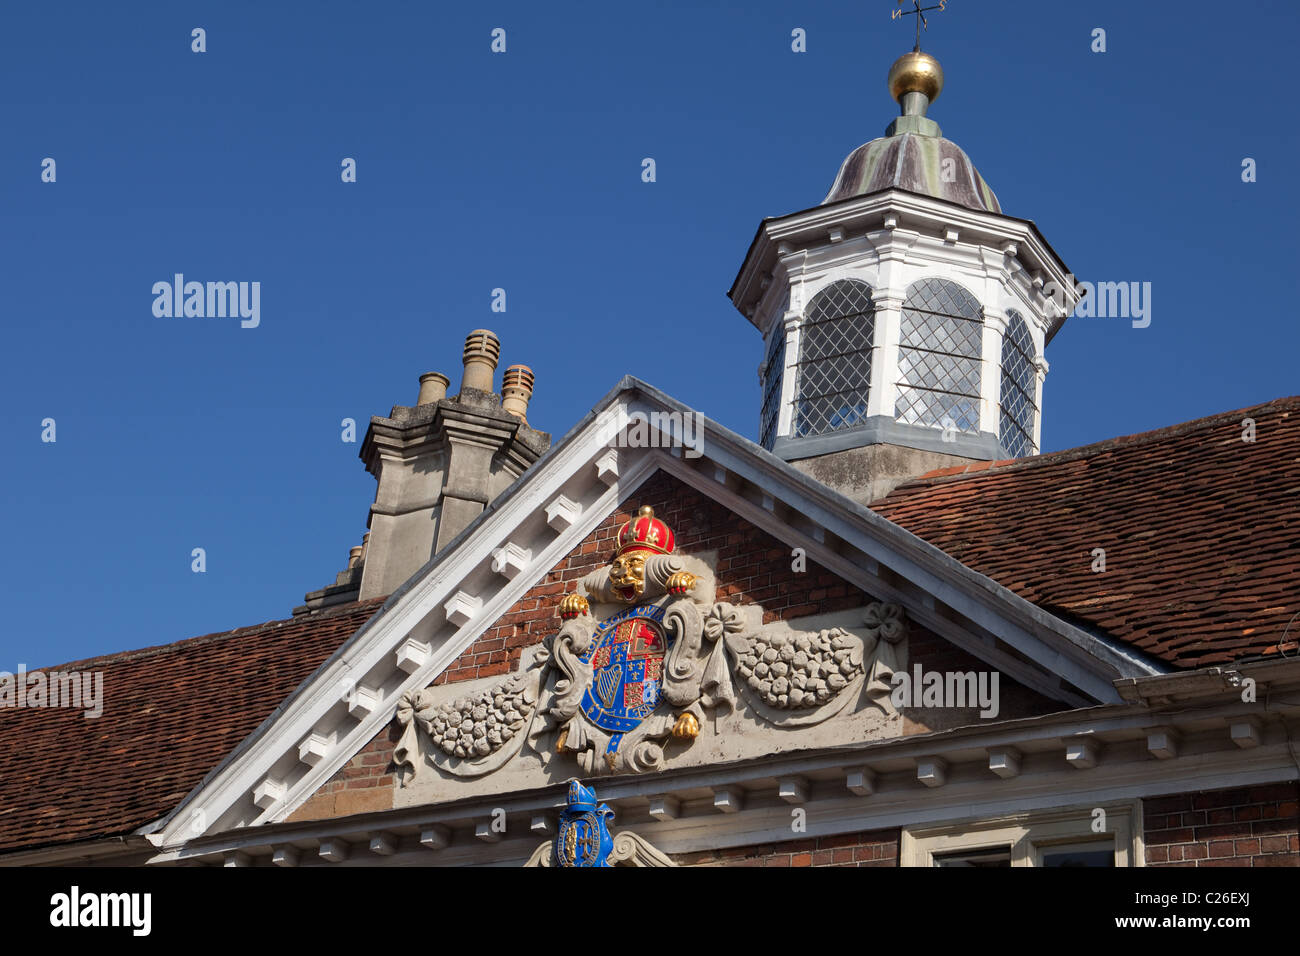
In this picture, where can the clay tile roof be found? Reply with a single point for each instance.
(1201, 532)
(170, 714)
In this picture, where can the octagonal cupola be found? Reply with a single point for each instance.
(905, 317)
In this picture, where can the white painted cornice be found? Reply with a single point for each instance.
(903, 213)
(934, 778)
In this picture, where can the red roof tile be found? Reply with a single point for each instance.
(1201, 532)
(170, 714)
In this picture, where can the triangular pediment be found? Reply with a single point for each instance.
(791, 558)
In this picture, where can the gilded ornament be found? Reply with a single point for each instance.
(680, 582)
(627, 576)
(916, 72)
(687, 727)
(572, 605)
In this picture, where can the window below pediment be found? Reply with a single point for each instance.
(1104, 836)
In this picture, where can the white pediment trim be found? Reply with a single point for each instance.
(886, 561)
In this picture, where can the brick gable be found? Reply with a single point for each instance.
(753, 567)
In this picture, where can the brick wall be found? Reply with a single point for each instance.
(936, 654)
(865, 848)
(363, 785)
(1250, 826)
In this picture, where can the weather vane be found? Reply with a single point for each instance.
(918, 11)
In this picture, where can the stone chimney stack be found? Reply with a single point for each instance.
(433, 388)
(439, 463)
(516, 390)
(482, 351)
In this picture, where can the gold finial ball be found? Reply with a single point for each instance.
(916, 72)
(646, 512)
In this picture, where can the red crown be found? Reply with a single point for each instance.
(645, 532)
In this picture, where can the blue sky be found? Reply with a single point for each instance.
(522, 171)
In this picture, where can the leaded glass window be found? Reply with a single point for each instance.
(773, 371)
(939, 357)
(834, 366)
(1017, 409)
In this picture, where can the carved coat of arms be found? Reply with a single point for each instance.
(643, 659)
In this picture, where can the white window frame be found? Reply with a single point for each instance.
(1028, 835)
(1007, 340)
(778, 328)
(796, 361)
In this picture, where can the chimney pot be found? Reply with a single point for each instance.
(433, 388)
(354, 555)
(482, 352)
(517, 390)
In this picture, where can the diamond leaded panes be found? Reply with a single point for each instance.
(939, 357)
(773, 370)
(1017, 408)
(834, 366)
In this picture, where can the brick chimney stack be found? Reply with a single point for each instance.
(439, 463)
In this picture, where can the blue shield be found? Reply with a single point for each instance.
(627, 660)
